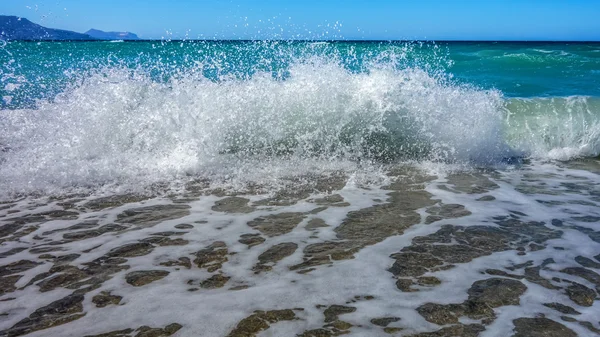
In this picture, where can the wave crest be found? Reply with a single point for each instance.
(119, 126)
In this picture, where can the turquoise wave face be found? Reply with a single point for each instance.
(137, 114)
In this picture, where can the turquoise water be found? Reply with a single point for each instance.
(78, 113)
(516, 69)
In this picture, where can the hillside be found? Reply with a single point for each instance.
(15, 28)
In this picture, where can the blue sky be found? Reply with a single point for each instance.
(325, 19)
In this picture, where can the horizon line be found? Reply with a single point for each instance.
(307, 40)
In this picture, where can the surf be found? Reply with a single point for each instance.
(128, 126)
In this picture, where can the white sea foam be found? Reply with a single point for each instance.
(117, 126)
(215, 312)
(120, 126)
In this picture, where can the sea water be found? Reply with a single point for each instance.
(361, 188)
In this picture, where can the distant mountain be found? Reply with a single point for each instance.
(16, 28)
(98, 34)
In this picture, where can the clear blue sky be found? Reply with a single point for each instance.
(325, 19)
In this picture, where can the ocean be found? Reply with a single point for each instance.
(299, 188)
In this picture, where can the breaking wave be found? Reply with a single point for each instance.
(118, 126)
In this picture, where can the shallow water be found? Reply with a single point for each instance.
(342, 257)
